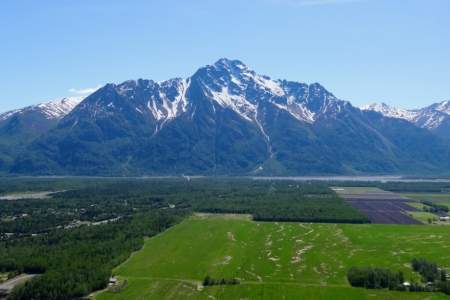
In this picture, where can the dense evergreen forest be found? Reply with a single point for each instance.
(282, 201)
(77, 261)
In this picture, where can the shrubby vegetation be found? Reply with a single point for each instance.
(208, 281)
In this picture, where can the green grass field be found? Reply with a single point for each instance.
(357, 190)
(423, 216)
(275, 260)
(433, 197)
(417, 205)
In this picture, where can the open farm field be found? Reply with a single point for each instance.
(433, 197)
(275, 260)
(417, 205)
(379, 206)
(423, 216)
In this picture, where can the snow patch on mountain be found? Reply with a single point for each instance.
(52, 110)
(172, 108)
(443, 107)
(237, 103)
(390, 111)
(165, 100)
(430, 117)
(59, 108)
(269, 85)
(263, 132)
(232, 84)
(9, 114)
(298, 111)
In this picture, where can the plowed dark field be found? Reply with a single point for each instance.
(380, 207)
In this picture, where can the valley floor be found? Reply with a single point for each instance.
(275, 260)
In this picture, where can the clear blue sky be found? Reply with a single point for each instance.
(396, 51)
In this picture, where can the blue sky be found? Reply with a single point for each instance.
(396, 51)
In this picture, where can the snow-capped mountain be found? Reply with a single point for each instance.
(228, 84)
(228, 119)
(21, 126)
(233, 85)
(56, 109)
(435, 117)
(391, 112)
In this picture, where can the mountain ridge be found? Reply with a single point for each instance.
(21, 126)
(227, 120)
(435, 117)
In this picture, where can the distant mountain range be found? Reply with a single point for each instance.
(223, 120)
(20, 127)
(435, 117)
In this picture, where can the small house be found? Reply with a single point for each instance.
(112, 281)
(444, 218)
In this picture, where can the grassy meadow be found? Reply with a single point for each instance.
(275, 260)
(432, 197)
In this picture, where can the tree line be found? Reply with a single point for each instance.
(434, 278)
(434, 208)
(375, 278)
